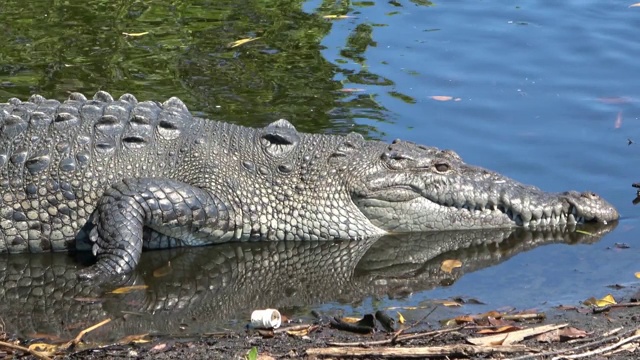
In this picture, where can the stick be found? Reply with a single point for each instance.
(414, 352)
(81, 334)
(24, 349)
(602, 350)
(562, 351)
(395, 340)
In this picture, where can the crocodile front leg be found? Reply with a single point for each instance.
(176, 214)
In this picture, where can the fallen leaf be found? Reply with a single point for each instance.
(401, 319)
(637, 274)
(634, 5)
(298, 333)
(350, 319)
(618, 122)
(44, 349)
(134, 339)
(241, 42)
(135, 34)
(464, 319)
(448, 303)
(442, 98)
(336, 17)
(450, 264)
(607, 300)
(163, 271)
(560, 335)
(128, 289)
(350, 90)
(512, 337)
(500, 330)
(159, 347)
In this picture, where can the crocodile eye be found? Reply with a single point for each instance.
(441, 167)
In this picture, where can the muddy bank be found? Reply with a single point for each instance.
(595, 334)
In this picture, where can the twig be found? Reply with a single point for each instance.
(601, 350)
(22, 348)
(397, 340)
(414, 352)
(562, 351)
(600, 309)
(539, 316)
(81, 334)
(292, 328)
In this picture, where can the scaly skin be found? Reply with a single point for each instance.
(127, 175)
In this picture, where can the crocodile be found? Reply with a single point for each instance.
(123, 175)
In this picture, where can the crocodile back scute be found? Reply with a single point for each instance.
(57, 158)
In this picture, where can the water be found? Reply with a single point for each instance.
(547, 95)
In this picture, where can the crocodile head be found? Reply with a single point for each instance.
(408, 187)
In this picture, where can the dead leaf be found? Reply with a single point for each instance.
(159, 348)
(298, 333)
(607, 300)
(401, 319)
(442, 98)
(499, 330)
(513, 337)
(163, 271)
(336, 17)
(618, 122)
(135, 34)
(450, 264)
(634, 5)
(464, 319)
(241, 42)
(350, 90)
(128, 289)
(637, 274)
(448, 303)
(559, 335)
(350, 319)
(134, 339)
(44, 349)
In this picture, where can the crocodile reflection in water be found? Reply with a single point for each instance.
(207, 287)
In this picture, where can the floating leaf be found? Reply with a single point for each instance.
(241, 42)
(448, 303)
(583, 232)
(637, 274)
(618, 122)
(135, 34)
(401, 319)
(128, 289)
(444, 98)
(450, 264)
(336, 17)
(163, 271)
(350, 90)
(634, 5)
